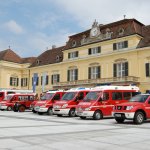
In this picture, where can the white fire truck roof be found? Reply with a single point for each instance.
(116, 88)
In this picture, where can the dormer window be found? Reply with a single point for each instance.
(74, 43)
(38, 62)
(57, 58)
(121, 31)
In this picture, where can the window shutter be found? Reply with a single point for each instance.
(17, 81)
(115, 70)
(126, 68)
(114, 46)
(58, 78)
(68, 75)
(10, 80)
(125, 44)
(26, 81)
(68, 55)
(98, 72)
(77, 53)
(52, 79)
(37, 81)
(99, 49)
(89, 73)
(21, 81)
(47, 80)
(147, 69)
(76, 74)
(89, 51)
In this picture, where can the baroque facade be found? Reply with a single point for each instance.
(113, 54)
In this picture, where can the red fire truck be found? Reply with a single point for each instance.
(10, 100)
(46, 102)
(137, 109)
(99, 102)
(5, 92)
(67, 105)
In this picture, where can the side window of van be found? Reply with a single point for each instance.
(116, 95)
(80, 95)
(105, 96)
(56, 97)
(127, 95)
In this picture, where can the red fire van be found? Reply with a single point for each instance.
(67, 105)
(11, 99)
(137, 109)
(99, 102)
(46, 102)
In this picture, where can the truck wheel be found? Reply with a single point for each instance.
(138, 117)
(33, 111)
(97, 115)
(59, 115)
(21, 108)
(72, 112)
(82, 117)
(9, 108)
(40, 113)
(50, 112)
(119, 120)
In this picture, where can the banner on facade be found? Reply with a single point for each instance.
(35, 78)
(43, 81)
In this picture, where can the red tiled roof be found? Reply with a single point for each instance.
(9, 55)
(51, 56)
(28, 60)
(130, 26)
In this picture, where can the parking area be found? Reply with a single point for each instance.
(22, 131)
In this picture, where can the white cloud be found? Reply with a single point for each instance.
(14, 27)
(85, 12)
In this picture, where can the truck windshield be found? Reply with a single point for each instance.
(69, 96)
(139, 98)
(47, 96)
(92, 96)
(8, 97)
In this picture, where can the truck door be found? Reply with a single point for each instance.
(106, 105)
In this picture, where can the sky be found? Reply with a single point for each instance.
(30, 27)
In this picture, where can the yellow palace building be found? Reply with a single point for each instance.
(112, 54)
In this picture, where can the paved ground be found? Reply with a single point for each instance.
(28, 131)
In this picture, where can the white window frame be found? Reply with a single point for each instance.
(120, 69)
(94, 50)
(72, 75)
(94, 72)
(14, 81)
(55, 78)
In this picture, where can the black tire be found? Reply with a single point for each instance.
(9, 108)
(119, 120)
(97, 115)
(21, 108)
(139, 117)
(59, 115)
(33, 111)
(82, 117)
(72, 112)
(50, 112)
(40, 113)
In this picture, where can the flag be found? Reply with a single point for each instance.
(44, 81)
(35, 77)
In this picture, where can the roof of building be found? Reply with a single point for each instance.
(9, 55)
(50, 56)
(28, 60)
(145, 41)
(130, 27)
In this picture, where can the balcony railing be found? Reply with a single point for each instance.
(127, 79)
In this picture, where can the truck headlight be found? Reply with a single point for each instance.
(65, 105)
(129, 107)
(87, 109)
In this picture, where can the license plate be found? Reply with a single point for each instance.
(117, 115)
